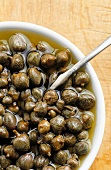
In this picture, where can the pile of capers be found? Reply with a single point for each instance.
(41, 128)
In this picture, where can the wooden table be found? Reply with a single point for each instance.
(86, 23)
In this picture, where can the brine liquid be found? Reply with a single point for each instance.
(34, 38)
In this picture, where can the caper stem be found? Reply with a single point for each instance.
(16, 133)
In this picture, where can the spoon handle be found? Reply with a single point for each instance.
(63, 77)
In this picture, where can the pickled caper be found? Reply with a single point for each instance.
(42, 128)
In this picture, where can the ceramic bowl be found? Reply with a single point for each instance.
(100, 106)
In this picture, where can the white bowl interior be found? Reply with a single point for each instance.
(100, 106)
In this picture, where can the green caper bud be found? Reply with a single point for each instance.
(29, 106)
(69, 139)
(44, 126)
(7, 100)
(69, 96)
(69, 111)
(50, 97)
(86, 100)
(40, 161)
(74, 125)
(21, 81)
(57, 143)
(3, 58)
(87, 118)
(10, 152)
(4, 162)
(17, 62)
(37, 93)
(62, 58)
(3, 82)
(13, 108)
(48, 137)
(73, 161)
(13, 93)
(3, 132)
(1, 120)
(2, 110)
(22, 126)
(10, 121)
(52, 113)
(48, 168)
(84, 135)
(21, 142)
(82, 148)
(35, 119)
(33, 136)
(60, 104)
(33, 59)
(61, 157)
(25, 161)
(17, 43)
(57, 124)
(25, 94)
(34, 76)
(45, 149)
(81, 78)
(26, 117)
(44, 47)
(48, 60)
(3, 46)
(12, 167)
(41, 108)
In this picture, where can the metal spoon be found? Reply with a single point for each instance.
(63, 77)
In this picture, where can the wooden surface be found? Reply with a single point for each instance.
(86, 23)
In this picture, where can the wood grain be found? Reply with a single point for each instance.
(84, 23)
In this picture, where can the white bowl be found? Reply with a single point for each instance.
(100, 106)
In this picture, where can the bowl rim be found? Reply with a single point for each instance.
(100, 117)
